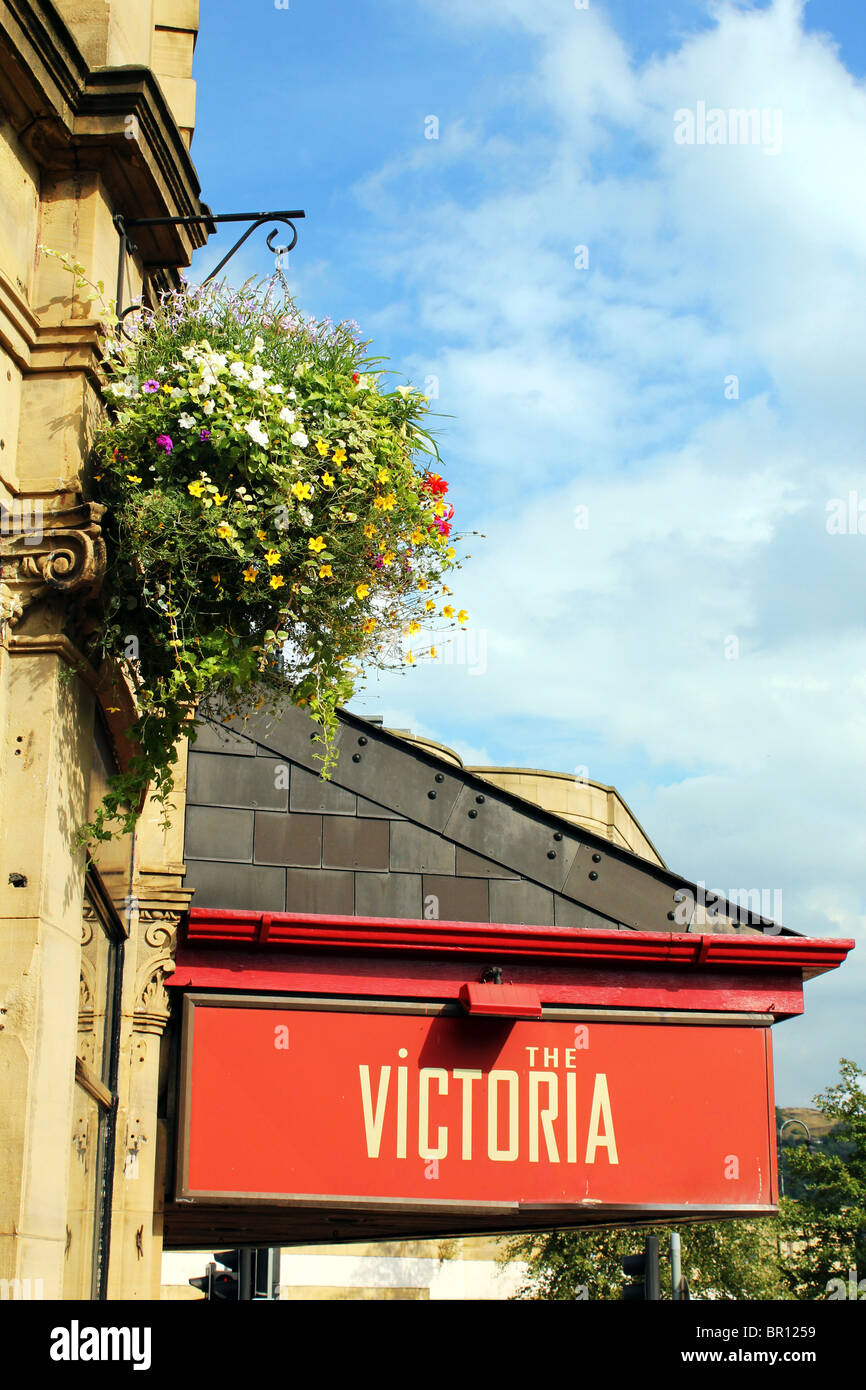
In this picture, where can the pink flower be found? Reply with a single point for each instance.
(443, 526)
(163, 441)
(150, 386)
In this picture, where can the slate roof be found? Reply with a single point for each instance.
(400, 832)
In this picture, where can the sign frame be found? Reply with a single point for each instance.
(609, 1214)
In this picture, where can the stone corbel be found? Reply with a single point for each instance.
(61, 553)
(157, 944)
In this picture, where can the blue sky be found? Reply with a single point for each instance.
(694, 636)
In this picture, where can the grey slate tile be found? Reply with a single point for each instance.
(320, 890)
(471, 865)
(417, 850)
(236, 886)
(525, 904)
(212, 832)
(226, 779)
(388, 895)
(288, 838)
(310, 793)
(457, 899)
(350, 842)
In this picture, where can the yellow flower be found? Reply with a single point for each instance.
(383, 476)
(133, 477)
(261, 535)
(339, 456)
(422, 584)
(417, 536)
(327, 479)
(377, 502)
(410, 659)
(224, 531)
(429, 606)
(362, 590)
(322, 447)
(433, 653)
(439, 509)
(302, 491)
(219, 498)
(448, 611)
(388, 502)
(215, 578)
(250, 574)
(450, 553)
(317, 545)
(272, 557)
(368, 625)
(462, 616)
(369, 529)
(325, 572)
(277, 581)
(195, 488)
(414, 627)
(168, 389)
(388, 558)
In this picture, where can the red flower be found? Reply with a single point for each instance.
(356, 378)
(435, 485)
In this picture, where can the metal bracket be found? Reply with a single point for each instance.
(256, 219)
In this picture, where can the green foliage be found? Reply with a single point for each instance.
(816, 1237)
(272, 522)
(830, 1210)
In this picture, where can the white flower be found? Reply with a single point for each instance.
(275, 388)
(257, 376)
(176, 394)
(185, 421)
(208, 407)
(238, 370)
(256, 433)
(287, 415)
(293, 395)
(300, 439)
(306, 515)
(187, 352)
(259, 345)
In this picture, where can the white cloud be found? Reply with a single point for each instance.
(605, 387)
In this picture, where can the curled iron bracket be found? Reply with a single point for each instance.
(255, 219)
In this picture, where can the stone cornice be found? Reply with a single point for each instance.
(69, 117)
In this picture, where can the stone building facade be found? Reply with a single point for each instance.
(97, 108)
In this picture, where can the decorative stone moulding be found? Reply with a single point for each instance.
(65, 555)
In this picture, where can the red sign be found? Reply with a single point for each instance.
(299, 1103)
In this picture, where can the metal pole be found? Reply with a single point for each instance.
(245, 1276)
(676, 1266)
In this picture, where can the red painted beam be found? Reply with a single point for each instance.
(440, 978)
(221, 927)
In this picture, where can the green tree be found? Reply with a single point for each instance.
(723, 1260)
(829, 1180)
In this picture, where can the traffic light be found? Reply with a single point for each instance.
(646, 1267)
(248, 1275)
(221, 1284)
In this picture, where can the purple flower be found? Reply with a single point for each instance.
(204, 435)
(379, 562)
(163, 441)
(150, 387)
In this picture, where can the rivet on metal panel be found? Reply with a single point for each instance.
(440, 776)
(557, 834)
(432, 796)
(551, 854)
(596, 859)
(480, 800)
(472, 815)
(356, 757)
(593, 875)
(362, 742)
